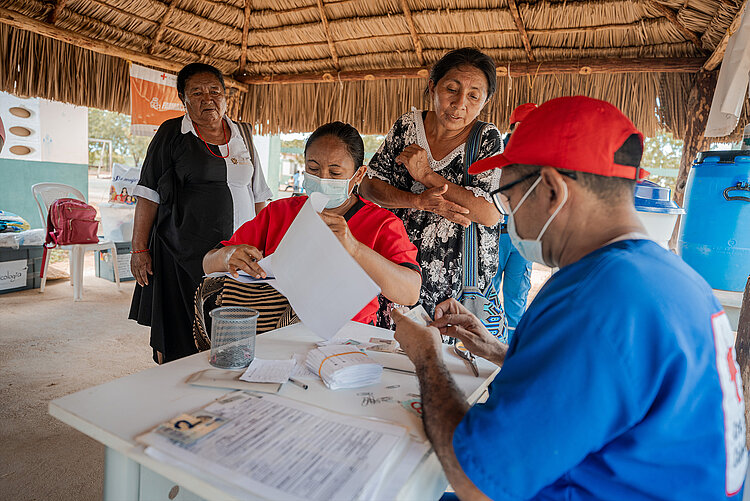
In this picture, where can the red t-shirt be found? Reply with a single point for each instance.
(373, 226)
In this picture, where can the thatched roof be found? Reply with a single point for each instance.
(360, 59)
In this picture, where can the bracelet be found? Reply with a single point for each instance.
(138, 251)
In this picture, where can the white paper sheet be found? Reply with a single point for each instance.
(269, 371)
(301, 371)
(323, 283)
(247, 279)
(281, 449)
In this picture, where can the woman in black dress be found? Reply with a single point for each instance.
(198, 185)
(418, 173)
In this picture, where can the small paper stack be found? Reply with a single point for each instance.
(343, 366)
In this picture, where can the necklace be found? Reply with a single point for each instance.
(207, 147)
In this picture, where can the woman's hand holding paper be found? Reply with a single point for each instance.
(245, 258)
(340, 228)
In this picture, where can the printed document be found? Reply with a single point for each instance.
(269, 371)
(277, 448)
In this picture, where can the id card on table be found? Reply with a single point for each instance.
(187, 428)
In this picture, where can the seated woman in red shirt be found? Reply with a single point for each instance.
(375, 238)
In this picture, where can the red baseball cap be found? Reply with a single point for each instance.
(574, 133)
(521, 112)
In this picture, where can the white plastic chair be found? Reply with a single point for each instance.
(44, 195)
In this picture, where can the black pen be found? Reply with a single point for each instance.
(298, 383)
(402, 371)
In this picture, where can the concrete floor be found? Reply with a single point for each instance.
(51, 346)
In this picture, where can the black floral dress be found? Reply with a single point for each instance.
(439, 241)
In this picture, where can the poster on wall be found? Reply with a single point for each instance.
(13, 274)
(153, 99)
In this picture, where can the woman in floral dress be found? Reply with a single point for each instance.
(418, 173)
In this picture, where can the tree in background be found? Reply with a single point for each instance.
(126, 148)
(372, 143)
(662, 151)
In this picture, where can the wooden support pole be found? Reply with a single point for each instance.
(672, 17)
(162, 24)
(22, 22)
(521, 28)
(55, 13)
(413, 31)
(327, 29)
(580, 66)
(715, 59)
(245, 31)
(742, 350)
(698, 106)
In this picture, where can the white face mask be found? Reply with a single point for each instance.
(337, 190)
(531, 250)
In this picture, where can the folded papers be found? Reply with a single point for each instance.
(343, 366)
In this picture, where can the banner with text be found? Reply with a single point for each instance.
(153, 99)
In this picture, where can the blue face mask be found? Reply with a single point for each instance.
(531, 250)
(337, 190)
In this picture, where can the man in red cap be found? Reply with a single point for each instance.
(620, 381)
(513, 275)
(519, 114)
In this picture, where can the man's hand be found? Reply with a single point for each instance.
(454, 320)
(245, 258)
(415, 159)
(443, 404)
(422, 345)
(141, 267)
(340, 228)
(432, 200)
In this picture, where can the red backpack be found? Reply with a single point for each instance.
(69, 221)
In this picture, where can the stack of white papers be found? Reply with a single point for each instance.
(274, 448)
(343, 366)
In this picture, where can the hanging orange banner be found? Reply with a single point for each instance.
(153, 99)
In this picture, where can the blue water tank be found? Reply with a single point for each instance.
(715, 232)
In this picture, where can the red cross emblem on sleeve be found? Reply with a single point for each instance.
(733, 373)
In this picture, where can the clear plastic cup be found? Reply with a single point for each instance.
(232, 337)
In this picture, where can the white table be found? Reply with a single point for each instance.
(115, 413)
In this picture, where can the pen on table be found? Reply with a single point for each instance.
(394, 369)
(298, 383)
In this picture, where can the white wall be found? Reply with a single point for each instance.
(65, 132)
(59, 132)
(32, 123)
(263, 145)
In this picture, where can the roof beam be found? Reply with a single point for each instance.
(521, 28)
(245, 31)
(715, 59)
(22, 22)
(413, 31)
(327, 29)
(55, 13)
(672, 17)
(162, 24)
(579, 66)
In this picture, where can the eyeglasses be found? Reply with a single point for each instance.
(501, 200)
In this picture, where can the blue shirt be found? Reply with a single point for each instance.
(619, 383)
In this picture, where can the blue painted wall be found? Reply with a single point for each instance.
(17, 177)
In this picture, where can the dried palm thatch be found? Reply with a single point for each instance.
(299, 63)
